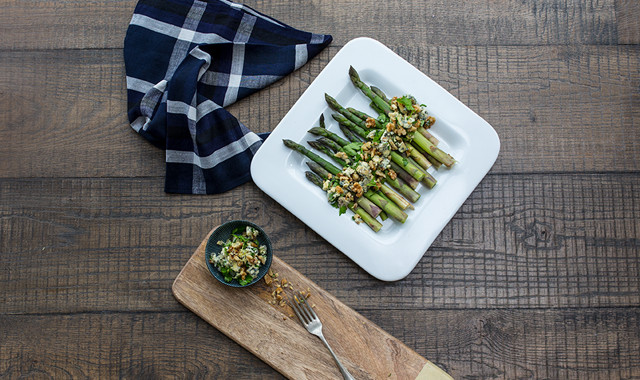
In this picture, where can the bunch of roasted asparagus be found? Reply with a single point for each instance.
(381, 160)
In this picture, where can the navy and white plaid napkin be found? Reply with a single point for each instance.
(187, 59)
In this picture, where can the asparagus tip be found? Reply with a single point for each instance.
(353, 73)
(314, 178)
(288, 143)
(331, 101)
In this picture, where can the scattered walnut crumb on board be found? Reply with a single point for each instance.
(256, 319)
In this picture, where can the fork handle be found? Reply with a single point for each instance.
(343, 370)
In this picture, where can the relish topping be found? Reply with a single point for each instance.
(241, 256)
(368, 163)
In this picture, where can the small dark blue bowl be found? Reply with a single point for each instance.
(223, 233)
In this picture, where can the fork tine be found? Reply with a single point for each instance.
(296, 309)
(310, 310)
(304, 306)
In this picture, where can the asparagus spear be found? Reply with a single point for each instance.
(319, 131)
(428, 179)
(368, 219)
(351, 136)
(358, 113)
(321, 161)
(418, 138)
(432, 150)
(334, 146)
(405, 191)
(429, 136)
(436, 164)
(378, 101)
(418, 157)
(389, 207)
(346, 113)
(347, 117)
(395, 156)
(370, 207)
(326, 150)
(362, 132)
(402, 174)
(322, 121)
(395, 198)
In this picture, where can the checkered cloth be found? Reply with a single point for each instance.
(187, 59)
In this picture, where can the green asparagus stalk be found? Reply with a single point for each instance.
(429, 136)
(418, 157)
(435, 163)
(378, 101)
(318, 169)
(368, 219)
(322, 125)
(402, 174)
(351, 136)
(432, 150)
(389, 207)
(428, 179)
(334, 146)
(403, 188)
(381, 94)
(314, 157)
(376, 108)
(395, 156)
(346, 113)
(326, 150)
(405, 164)
(405, 191)
(363, 116)
(370, 207)
(319, 131)
(362, 132)
(418, 138)
(395, 198)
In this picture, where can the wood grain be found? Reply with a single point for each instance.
(592, 343)
(627, 15)
(102, 24)
(518, 241)
(538, 100)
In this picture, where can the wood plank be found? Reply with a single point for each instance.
(65, 112)
(248, 318)
(564, 108)
(122, 345)
(527, 241)
(102, 24)
(590, 343)
(627, 16)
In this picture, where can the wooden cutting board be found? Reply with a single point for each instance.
(273, 333)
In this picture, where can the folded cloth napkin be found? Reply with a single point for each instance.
(187, 59)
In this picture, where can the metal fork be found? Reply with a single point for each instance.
(312, 323)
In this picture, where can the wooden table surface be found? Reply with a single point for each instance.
(537, 276)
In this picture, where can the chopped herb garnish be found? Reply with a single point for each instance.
(241, 255)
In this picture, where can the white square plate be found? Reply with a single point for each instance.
(393, 252)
